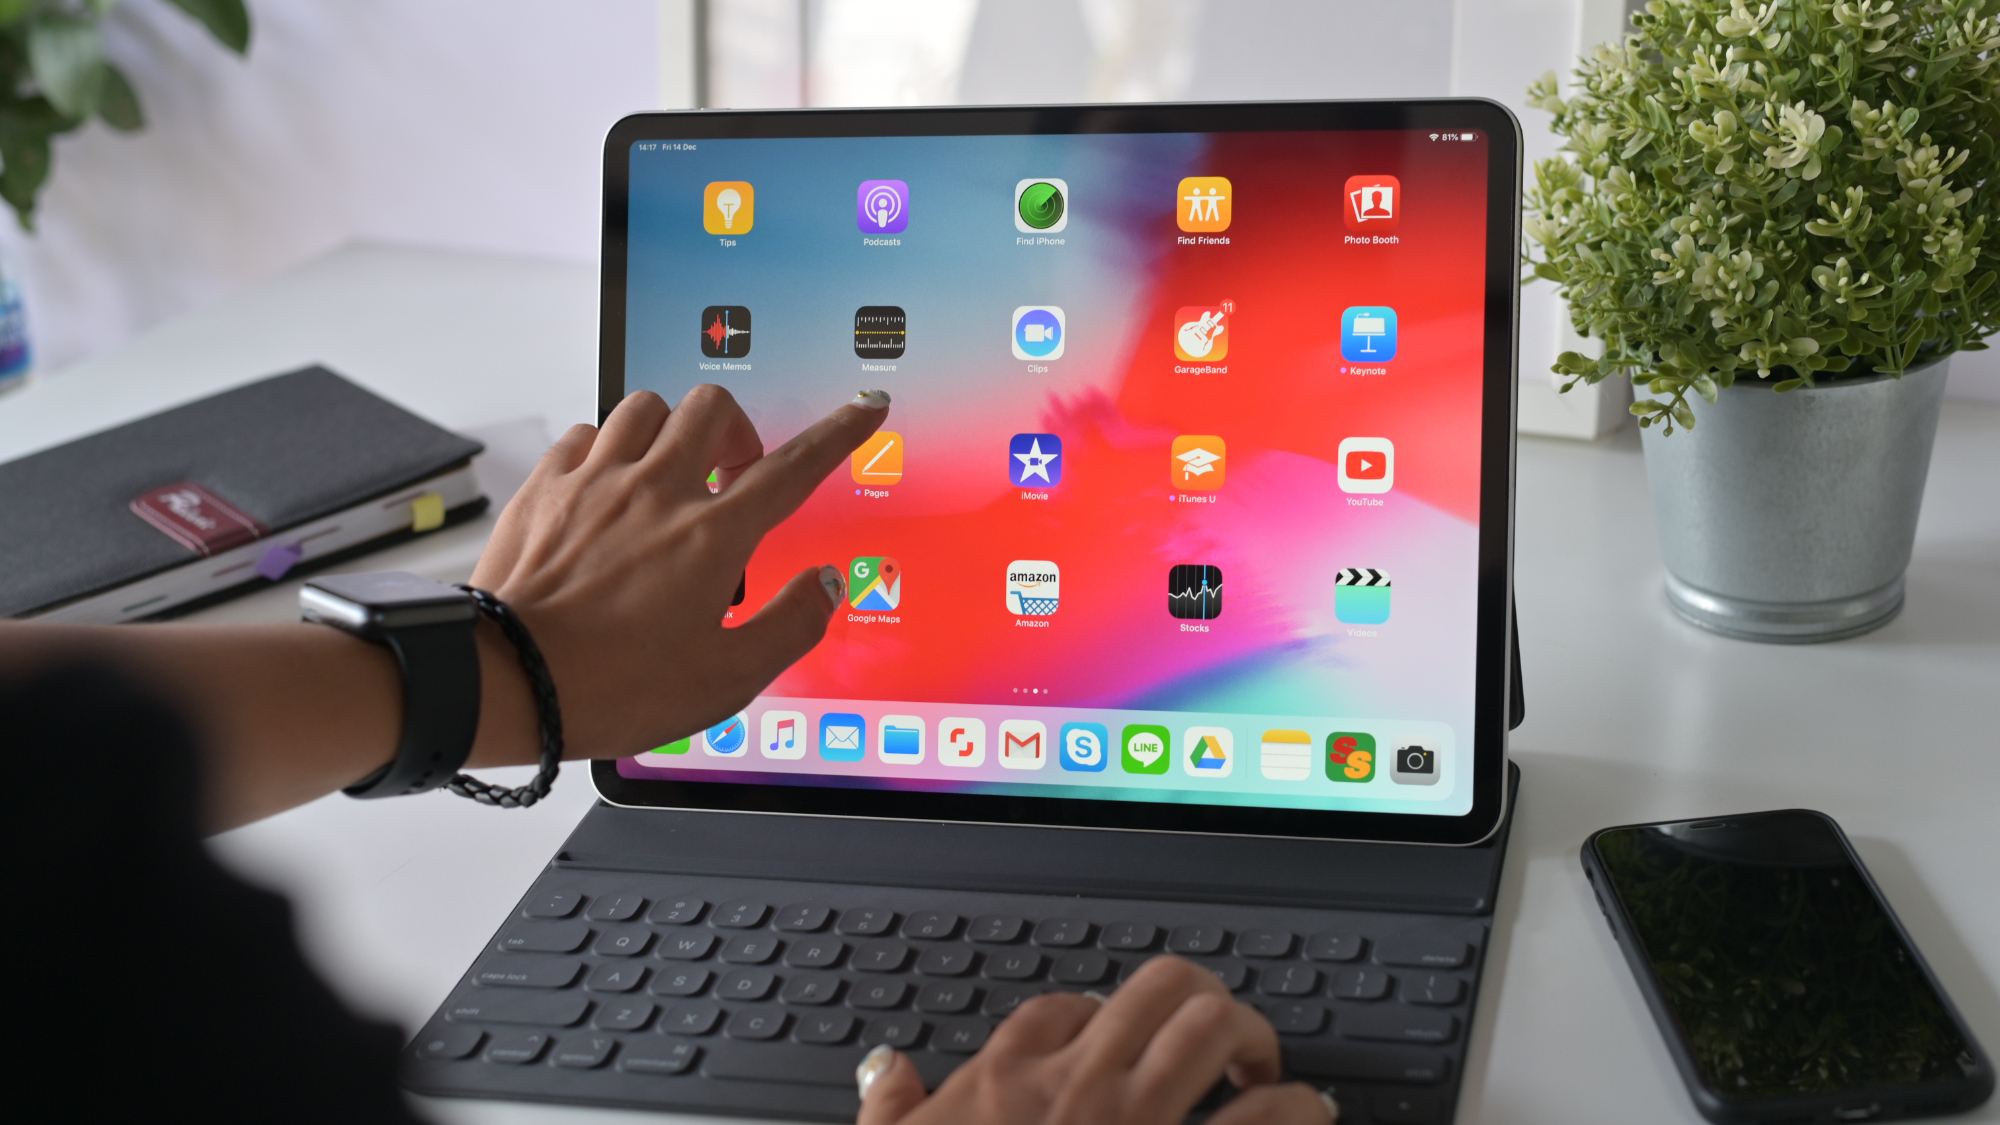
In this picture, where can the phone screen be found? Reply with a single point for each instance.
(1784, 969)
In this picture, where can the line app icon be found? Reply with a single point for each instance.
(1145, 748)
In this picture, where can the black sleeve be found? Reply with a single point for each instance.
(147, 983)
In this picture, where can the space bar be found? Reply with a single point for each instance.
(783, 1062)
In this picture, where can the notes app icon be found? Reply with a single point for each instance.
(783, 735)
(1286, 755)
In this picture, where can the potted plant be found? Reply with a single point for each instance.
(1776, 219)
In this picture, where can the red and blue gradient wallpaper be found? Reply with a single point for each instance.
(1195, 457)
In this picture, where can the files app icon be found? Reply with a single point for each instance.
(901, 740)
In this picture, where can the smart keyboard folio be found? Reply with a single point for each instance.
(1177, 618)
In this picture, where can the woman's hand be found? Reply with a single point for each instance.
(1143, 1057)
(622, 563)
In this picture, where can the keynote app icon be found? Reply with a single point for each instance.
(882, 206)
(1146, 749)
(1035, 460)
(1034, 587)
(1204, 204)
(1373, 203)
(1350, 756)
(1368, 334)
(729, 738)
(962, 742)
(1367, 464)
(1211, 752)
(874, 582)
(1085, 747)
(783, 735)
(1039, 331)
(1198, 463)
(725, 331)
(843, 737)
(1023, 744)
(1200, 333)
(728, 207)
(879, 461)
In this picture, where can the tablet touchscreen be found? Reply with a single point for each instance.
(1192, 508)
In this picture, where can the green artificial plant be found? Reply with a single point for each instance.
(54, 78)
(1797, 188)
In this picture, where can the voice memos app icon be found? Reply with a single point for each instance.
(1041, 205)
(725, 332)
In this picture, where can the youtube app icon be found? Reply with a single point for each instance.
(1367, 464)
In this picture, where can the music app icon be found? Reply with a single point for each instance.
(783, 735)
(962, 742)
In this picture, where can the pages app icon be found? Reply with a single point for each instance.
(879, 461)
(1023, 744)
(962, 742)
(1367, 464)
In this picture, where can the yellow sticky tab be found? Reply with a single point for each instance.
(427, 512)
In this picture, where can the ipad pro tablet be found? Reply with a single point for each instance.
(1193, 512)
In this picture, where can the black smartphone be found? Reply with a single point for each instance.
(1785, 987)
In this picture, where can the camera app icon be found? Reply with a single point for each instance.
(1416, 762)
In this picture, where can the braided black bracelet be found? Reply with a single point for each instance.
(544, 688)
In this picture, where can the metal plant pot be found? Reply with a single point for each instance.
(1789, 517)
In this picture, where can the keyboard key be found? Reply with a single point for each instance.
(615, 908)
(1433, 988)
(1263, 943)
(746, 984)
(900, 1032)
(1003, 999)
(689, 945)
(624, 1015)
(1129, 936)
(750, 949)
(946, 997)
(615, 977)
(545, 937)
(553, 904)
(802, 919)
(945, 961)
(878, 993)
(824, 1028)
(960, 1037)
(677, 912)
(584, 1052)
(1429, 950)
(811, 988)
(1234, 975)
(1196, 939)
(1407, 1109)
(1014, 964)
(524, 972)
(1062, 933)
(756, 1023)
(1295, 1019)
(691, 1017)
(739, 915)
(865, 921)
(1335, 947)
(815, 953)
(450, 1042)
(930, 925)
(623, 941)
(1289, 980)
(659, 1058)
(1083, 967)
(995, 929)
(560, 1009)
(517, 1048)
(1361, 984)
(1356, 1062)
(880, 956)
(1394, 1024)
(681, 982)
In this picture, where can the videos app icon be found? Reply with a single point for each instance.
(1361, 596)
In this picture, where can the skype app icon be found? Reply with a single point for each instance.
(1083, 747)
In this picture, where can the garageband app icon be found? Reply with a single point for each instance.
(1200, 333)
(1034, 586)
(1211, 752)
(1198, 463)
(1041, 206)
(1285, 755)
(1350, 756)
(1361, 595)
(1204, 204)
(782, 735)
(1367, 464)
(725, 331)
(879, 461)
(728, 207)
(1194, 591)
(1368, 334)
(1039, 332)
(962, 742)
(1084, 747)
(880, 331)
(1034, 460)
(1023, 744)
(843, 737)
(882, 206)
(729, 738)
(901, 740)
(874, 582)
(1373, 203)
(1416, 762)
(1145, 748)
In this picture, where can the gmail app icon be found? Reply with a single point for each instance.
(962, 742)
(1024, 744)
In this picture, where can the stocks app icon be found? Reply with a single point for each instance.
(725, 331)
(1194, 591)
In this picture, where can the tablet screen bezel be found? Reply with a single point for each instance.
(1491, 695)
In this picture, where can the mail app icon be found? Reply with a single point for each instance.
(1023, 744)
(843, 738)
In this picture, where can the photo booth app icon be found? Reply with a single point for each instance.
(902, 740)
(842, 737)
(1373, 204)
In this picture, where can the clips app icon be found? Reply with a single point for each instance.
(1034, 459)
(727, 739)
(1039, 331)
(962, 742)
(1194, 591)
(1198, 462)
(1199, 333)
(1041, 206)
(1085, 747)
(879, 461)
(728, 207)
(1350, 756)
(880, 331)
(725, 331)
(1211, 752)
(1146, 749)
(882, 206)
(1204, 204)
(1373, 203)
(843, 737)
(1367, 464)
(1033, 587)
(1368, 334)
(874, 582)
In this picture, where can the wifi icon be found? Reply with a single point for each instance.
(1434, 136)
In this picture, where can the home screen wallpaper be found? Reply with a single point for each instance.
(1178, 497)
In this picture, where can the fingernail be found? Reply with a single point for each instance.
(829, 580)
(1332, 1107)
(872, 400)
(1097, 996)
(874, 1065)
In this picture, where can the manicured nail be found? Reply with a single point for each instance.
(829, 580)
(1097, 996)
(1332, 1107)
(874, 1065)
(872, 400)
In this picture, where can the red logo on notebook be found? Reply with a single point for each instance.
(196, 518)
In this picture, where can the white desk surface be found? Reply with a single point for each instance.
(1632, 715)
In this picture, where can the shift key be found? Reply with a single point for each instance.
(545, 937)
(559, 1009)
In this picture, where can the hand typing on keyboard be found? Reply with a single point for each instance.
(1145, 1056)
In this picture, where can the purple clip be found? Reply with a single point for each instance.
(279, 560)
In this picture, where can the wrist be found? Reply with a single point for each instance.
(509, 726)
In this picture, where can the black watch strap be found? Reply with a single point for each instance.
(440, 664)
